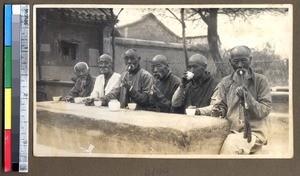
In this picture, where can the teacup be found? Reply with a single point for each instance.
(190, 111)
(132, 106)
(56, 98)
(98, 103)
(78, 100)
(190, 75)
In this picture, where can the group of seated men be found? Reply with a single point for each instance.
(243, 97)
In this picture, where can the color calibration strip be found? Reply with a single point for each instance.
(16, 82)
(7, 86)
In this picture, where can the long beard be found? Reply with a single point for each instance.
(83, 84)
(241, 75)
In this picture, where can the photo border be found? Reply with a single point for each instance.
(118, 166)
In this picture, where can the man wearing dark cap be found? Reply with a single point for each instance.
(166, 84)
(245, 101)
(84, 83)
(106, 81)
(135, 83)
(198, 91)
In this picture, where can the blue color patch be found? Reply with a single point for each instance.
(7, 24)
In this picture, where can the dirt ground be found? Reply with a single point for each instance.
(278, 144)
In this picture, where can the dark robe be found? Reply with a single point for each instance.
(79, 91)
(167, 87)
(198, 95)
(141, 81)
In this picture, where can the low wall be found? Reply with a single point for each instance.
(48, 89)
(280, 102)
(148, 49)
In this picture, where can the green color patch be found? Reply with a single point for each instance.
(7, 67)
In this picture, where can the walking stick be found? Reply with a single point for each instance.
(247, 126)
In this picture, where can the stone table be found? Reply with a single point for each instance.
(77, 129)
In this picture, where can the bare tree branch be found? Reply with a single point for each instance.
(245, 13)
(119, 13)
(202, 14)
(174, 15)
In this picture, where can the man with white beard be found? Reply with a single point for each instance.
(106, 81)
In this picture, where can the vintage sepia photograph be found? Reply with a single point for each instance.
(163, 81)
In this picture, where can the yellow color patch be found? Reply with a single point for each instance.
(8, 108)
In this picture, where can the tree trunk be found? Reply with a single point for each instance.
(183, 37)
(113, 39)
(213, 39)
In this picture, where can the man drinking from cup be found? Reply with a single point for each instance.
(197, 89)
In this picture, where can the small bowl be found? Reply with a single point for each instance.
(114, 105)
(98, 103)
(132, 106)
(190, 111)
(78, 100)
(57, 98)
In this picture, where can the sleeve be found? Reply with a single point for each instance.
(143, 96)
(74, 92)
(164, 103)
(178, 97)
(114, 94)
(262, 106)
(220, 98)
(118, 84)
(214, 99)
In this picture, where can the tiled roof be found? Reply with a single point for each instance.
(88, 14)
(85, 15)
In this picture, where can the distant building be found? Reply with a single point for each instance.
(150, 28)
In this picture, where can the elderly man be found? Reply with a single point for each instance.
(84, 83)
(198, 91)
(166, 84)
(106, 81)
(245, 100)
(136, 83)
